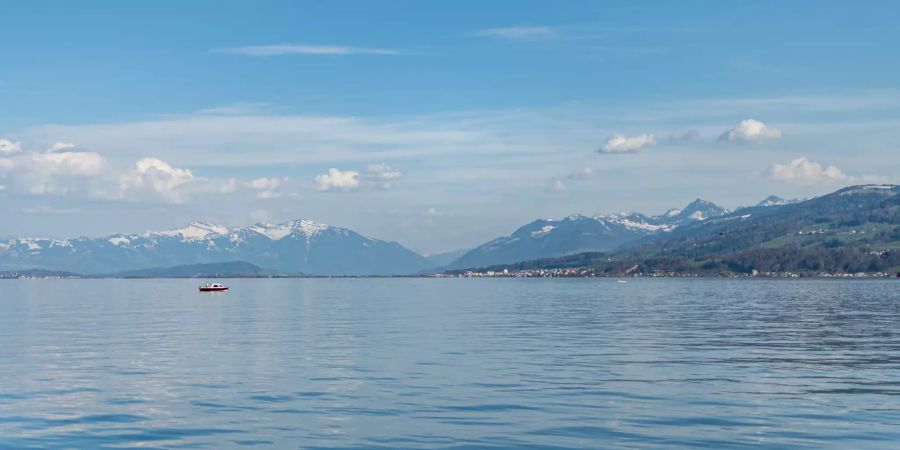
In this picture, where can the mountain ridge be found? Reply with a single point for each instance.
(854, 229)
(304, 246)
(577, 233)
(298, 245)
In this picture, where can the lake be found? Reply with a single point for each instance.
(450, 363)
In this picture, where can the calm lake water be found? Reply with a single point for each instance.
(461, 364)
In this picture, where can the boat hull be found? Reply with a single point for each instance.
(212, 289)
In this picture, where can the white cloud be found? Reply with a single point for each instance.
(521, 33)
(301, 49)
(556, 186)
(267, 187)
(7, 146)
(582, 174)
(751, 130)
(61, 146)
(154, 177)
(807, 173)
(432, 212)
(689, 135)
(267, 184)
(52, 172)
(56, 173)
(60, 171)
(337, 180)
(67, 163)
(382, 175)
(618, 143)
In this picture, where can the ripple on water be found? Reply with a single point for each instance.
(450, 364)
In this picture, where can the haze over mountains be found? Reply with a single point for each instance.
(303, 246)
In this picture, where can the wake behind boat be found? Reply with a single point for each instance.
(214, 287)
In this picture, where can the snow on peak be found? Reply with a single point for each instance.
(32, 243)
(543, 231)
(119, 240)
(279, 231)
(886, 189)
(700, 209)
(773, 200)
(634, 222)
(308, 227)
(196, 230)
(36, 243)
(673, 212)
(272, 231)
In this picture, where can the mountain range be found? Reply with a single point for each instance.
(296, 246)
(699, 231)
(576, 234)
(855, 229)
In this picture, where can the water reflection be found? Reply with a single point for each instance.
(449, 363)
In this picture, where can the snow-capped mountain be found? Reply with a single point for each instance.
(774, 200)
(551, 238)
(294, 246)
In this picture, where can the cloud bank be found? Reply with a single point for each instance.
(8, 147)
(63, 171)
(804, 172)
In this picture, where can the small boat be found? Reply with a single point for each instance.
(214, 287)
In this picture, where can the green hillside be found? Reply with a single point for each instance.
(855, 229)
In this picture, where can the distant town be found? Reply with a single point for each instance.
(591, 273)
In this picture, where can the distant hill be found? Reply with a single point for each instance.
(208, 270)
(294, 246)
(774, 200)
(857, 216)
(577, 233)
(37, 273)
(855, 229)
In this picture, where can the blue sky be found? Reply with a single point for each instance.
(446, 124)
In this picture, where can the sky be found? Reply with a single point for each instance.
(439, 125)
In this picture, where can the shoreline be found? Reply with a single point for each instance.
(857, 276)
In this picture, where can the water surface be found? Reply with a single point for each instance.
(461, 364)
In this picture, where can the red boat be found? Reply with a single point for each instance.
(215, 287)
